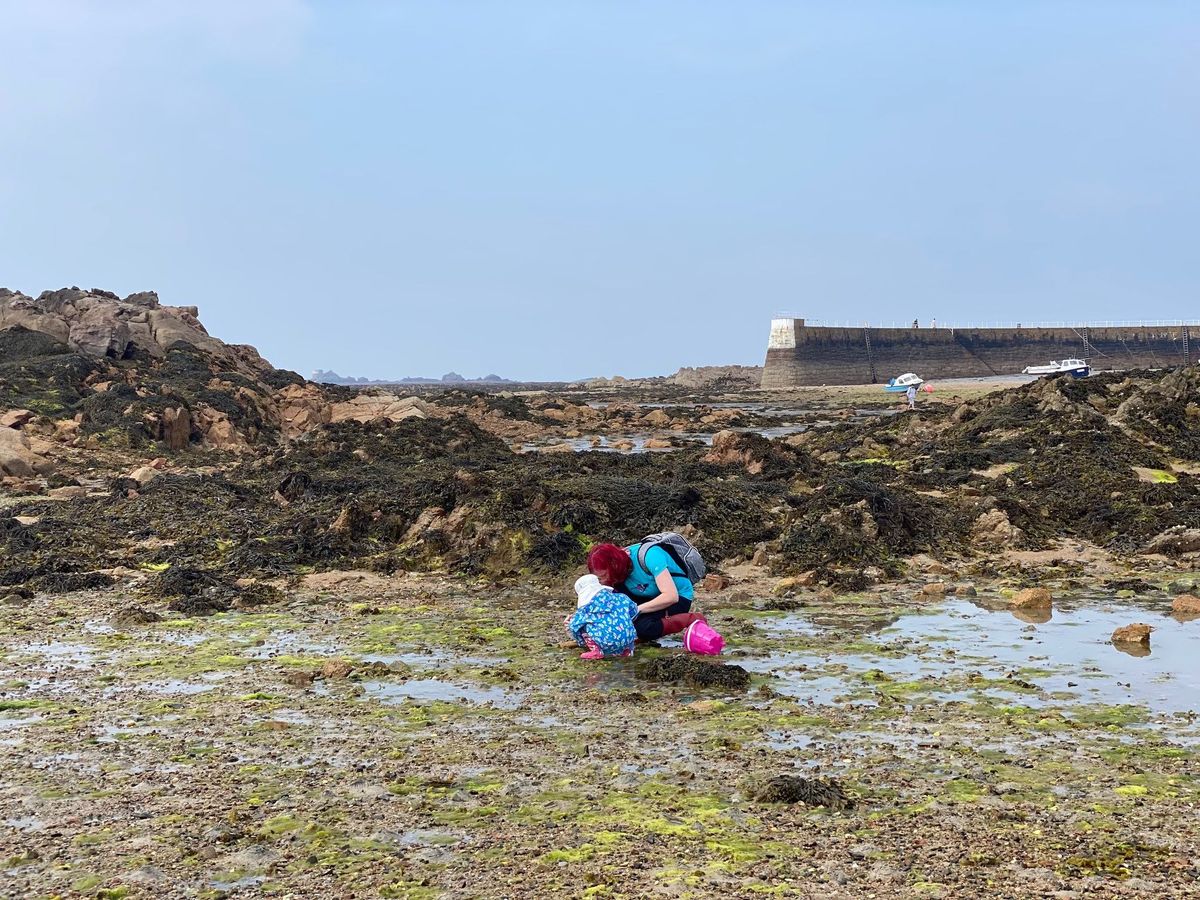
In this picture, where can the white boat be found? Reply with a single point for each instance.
(902, 383)
(1077, 367)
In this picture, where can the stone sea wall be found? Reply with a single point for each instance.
(800, 354)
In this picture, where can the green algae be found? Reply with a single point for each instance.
(11, 705)
(570, 855)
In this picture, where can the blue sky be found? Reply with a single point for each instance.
(559, 189)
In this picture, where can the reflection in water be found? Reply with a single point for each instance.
(1132, 648)
(1070, 655)
(1034, 615)
(433, 689)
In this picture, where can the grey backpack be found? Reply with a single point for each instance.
(679, 549)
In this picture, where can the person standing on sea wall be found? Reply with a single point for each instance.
(911, 394)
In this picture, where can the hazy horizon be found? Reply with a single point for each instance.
(554, 190)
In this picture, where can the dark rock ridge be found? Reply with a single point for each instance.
(709, 378)
(323, 376)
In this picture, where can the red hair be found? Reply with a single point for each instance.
(610, 563)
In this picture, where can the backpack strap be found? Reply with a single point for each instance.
(649, 544)
(643, 549)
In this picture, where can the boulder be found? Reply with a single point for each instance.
(1137, 633)
(300, 678)
(740, 448)
(922, 562)
(806, 579)
(993, 530)
(1186, 603)
(657, 444)
(66, 430)
(934, 589)
(715, 582)
(70, 492)
(143, 475)
(219, 431)
(1032, 598)
(16, 418)
(14, 463)
(336, 669)
(16, 456)
(352, 521)
(657, 418)
(176, 427)
(1175, 541)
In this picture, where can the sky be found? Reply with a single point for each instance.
(561, 189)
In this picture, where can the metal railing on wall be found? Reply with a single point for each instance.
(963, 326)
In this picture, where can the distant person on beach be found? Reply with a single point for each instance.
(661, 590)
(916, 324)
(911, 394)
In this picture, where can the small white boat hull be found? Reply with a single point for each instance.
(902, 383)
(1076, 367)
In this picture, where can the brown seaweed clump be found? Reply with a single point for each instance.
(696, 672)
(809, 791)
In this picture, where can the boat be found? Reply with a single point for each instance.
(1077, 367)
(902, 383)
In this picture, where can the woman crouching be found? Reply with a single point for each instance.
(660, 589)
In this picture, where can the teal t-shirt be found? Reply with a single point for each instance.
(640, 582)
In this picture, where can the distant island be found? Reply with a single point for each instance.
(321, 376)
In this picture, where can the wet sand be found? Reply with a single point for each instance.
(461, 753)
(201, 700)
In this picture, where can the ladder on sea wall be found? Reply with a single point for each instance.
(1187, 353)
(870, 355)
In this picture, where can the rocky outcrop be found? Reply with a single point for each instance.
(371, 405)
(755, 453)
(99, 324)
(126, 373)
(706, 378)
(725, 378)
(303, 407)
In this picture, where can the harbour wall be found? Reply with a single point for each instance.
(800, 354)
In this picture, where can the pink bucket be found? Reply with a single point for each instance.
(700, 638)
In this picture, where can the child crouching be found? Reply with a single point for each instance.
(603, 620)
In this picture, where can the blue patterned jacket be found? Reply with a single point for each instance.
(608, 620)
